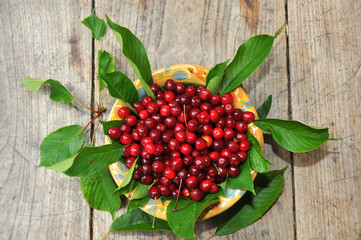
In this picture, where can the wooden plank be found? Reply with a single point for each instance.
(41, 39)
(206, 33)
(325, 74)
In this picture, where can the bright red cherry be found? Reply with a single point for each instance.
(191, 181)
(214, 115)
(123, 112)
(114, 133)
(180, 88)
(169, 96)
(214, 188)
(196, 194)
(180, 136)
(186, 193)
(150, 148)
(218, 133)
(204, 118)
(245, 145)
(176, 164)
(137, 106)
(192, 125)
(126, 139)
(248, 117)
(135, 150)
(226, 98)
(199, 162)
(146, 100)
(186, 149)
(241, 127)
(169, 173)
(195, 101)
(154, 192)
(230, 123)
(204, 94)
(158, 166)
(229, 133)
(242, 156)
(190, 91)
(174, 145)
(152, 108)
(214, 156)
(229, 108)
(143, 114)
(200, 144)
(226, 153)
(215, 100)
(131, 120)
(165, 111)
(205, 186)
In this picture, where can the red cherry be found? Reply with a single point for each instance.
(245, 145)
(154, 88)
(170, 85)
(174, 155)
(204, 118)
(241, 136)
(147, 170)
(150, 148)
(196, 194)
(214, 156)
(200, 144)
(158, 166)
(207, 129)
(169, 96)
(237, 114)
(234, 160)
(165, 111)
(195, 101)
(129, 161)
(199, 162)
(215, 100)
(180, 88)
(154, 192)
(192, 125)
(165, 181)
(226, 153)
(222, 162)
(220, 110)
(204, 94)
(218, 144)
(114, 133)
(214, 115)
(170, 122)
(159, 96)
(131, 120)
(136, 136)
(164, 190)
(190, 137)
(233, 171)
(214, 188)
(242, 156)
(188, 160)
(174, 145)
(186, 193)
(169, 173)
(229, 133)
(193, 170)
(123, 112)
(241, 127)
(186, 149)
(146, 179)
(233, 146)
(191, 181)
(226, 98)
(137, 106)
(230, 123)
(248, 117)
(146, 100)
(125, 128)
(190, 91)
(137, 174)
(229, 108)
(144, 114)
(206, 107)
(135, 150)
(149, 123)
(217, 133)
(126, 139)
(205, 186)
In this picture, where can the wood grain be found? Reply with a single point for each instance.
(40, 39)
(325, 60)
(206, 33)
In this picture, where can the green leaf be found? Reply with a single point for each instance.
(95, 24)
(138, 220)
(97, 189)
(127, 179)
(135, 53)
(137, 203)
(109, 124)
(93, 159)
(215, 76)
(63, 165)
(140, 192)
(121, 87)
(293, 135)
(128, 188)
(105, 65)
(61, 145)
(250, 208)
(58, 93)
(258, 162)
(263, 110)
(224, 186)
(243, 180)
(249, 56)
(182, 221)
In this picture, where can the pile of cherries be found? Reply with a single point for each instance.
(187, 141)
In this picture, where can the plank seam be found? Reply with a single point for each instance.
(290, 117)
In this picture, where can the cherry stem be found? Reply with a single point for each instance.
(184, 112)
(182, 206)
(84, 105)
(151, 185)
(89, 123)
(215, 165)
(210, 236)
(179, 189)
(96, 128)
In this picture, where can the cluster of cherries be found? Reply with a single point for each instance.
(187, 141)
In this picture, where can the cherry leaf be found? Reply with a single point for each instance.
(244, 180)
(105, 65)
(258, 162)
(264, 109)
(97, 189)
(61, 145)
(215, 76)
(95, 24)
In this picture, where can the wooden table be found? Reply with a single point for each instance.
(313, 73)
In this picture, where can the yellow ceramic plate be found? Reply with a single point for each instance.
(186, 73)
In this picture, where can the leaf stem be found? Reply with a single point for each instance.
(96, 128)
(106, 235)
(89, 123)
(210, 237)
(182, 206)
(84, 105)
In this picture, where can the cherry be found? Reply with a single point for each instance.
(205, 186)
(221, 122)
(234, 160)
(233, 171)
(191, 181)
(165, 111)
(214, 188)
(136, 136)
(154, 88)
(200, 144)
(150, 148)
(218, 144)
(123, 112)
(199, 163)
(229, 108)
(245, 145)
(169, 173)
(215, 100)
(214, 115)
(222, 172)
(125, 128)
(248, 117)
(165, 181)
(186, 193)
(137, 174)
(142, 130)
(230, 123)
(146, 179)
(194, 112)
(204, 94)
(176, 164)
(214, 156)
(169, 96)
(131, 120)
(229, 133)
(193, 170)
(190, 91)
(242, 156)
(160, 95)
(217, 133)
(154, 192)
(220, 110)
(237, 115)
(184, 99)
(129, 161)
(149, 123)
(222, 162)
(195, 101)
(207, 129)
(212, 171)
(190, 137)
(180, 136)
(170, 122)
(182, 174)
(145, 161)
(200, 88)
(170, 85)
(143, 114)
(174, 155)
(114, 133)
(126, 139)
(233, 146)
(204, 118)
(226, 98)
(196, 194)
(206, 107)
(146, 100)
(188, 160)
(137, 106)
(180, 88)
(161, 127)
(209, 140)
(147, 170)
(174, 145)
(186, 149)
(192, 125)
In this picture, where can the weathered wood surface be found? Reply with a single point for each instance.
(316, 80)
(43, 40)
(325, 60)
